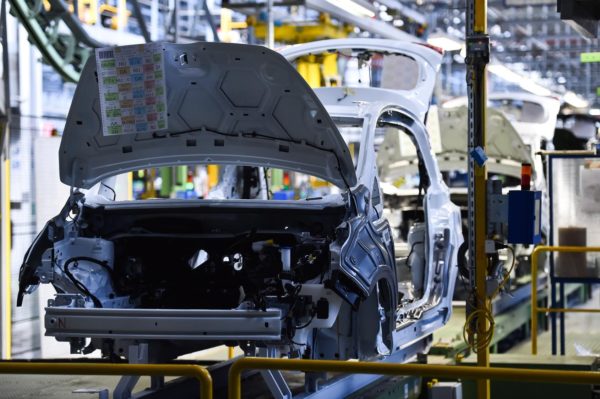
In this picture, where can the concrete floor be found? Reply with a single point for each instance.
(63, 387)
(55, 387)
(582, 333)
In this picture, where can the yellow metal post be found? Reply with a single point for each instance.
(477, 59)
(213, 175)
(122, 15)
(228, 25)
(149, 187)
(129, 186)
(191, 370)
(480, 22)
(379, 368)
(534, 302)
(309, 68)
(331, 74)
(481, 274)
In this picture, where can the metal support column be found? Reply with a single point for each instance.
(5, 230)
(139, 15)
(5, 278)
(270, 25)
(477, 59)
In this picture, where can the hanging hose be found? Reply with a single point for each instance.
(476, 339)
(473, 337)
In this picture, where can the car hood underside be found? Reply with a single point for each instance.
(225, 104)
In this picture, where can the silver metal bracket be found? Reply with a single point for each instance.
(46, 271)
(67, 300)
(138, 354)
(273, 378)
(276, 384)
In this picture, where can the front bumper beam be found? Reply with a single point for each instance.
(65, 323)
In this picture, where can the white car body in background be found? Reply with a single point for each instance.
(534, 118)
(407, 107)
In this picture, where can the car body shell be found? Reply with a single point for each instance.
(244, 106)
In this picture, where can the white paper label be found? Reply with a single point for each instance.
(132, 89)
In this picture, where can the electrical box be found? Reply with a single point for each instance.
(524, 217)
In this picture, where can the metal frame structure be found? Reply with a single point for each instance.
(379, 368)
(478, 49)
(561, 281)
(553, 309)
(198, 372)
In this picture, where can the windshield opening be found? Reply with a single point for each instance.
(215, 182)
(358, 68)
(519, 110)
(351, 130)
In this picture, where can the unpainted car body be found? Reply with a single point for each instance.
(506, 152)
(534, 118)
(315, 277)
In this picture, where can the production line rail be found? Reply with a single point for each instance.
(244, 364)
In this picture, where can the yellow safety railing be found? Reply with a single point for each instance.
(478, 373)
(534, 302)
(190, 370)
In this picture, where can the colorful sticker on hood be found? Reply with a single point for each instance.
(132, 89)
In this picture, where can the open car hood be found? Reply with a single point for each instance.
(533, 116)
(448, 135)
(225, 104)
(543, 109)
(410, 68)
(505, 147)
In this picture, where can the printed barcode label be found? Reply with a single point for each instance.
(131, 84)
(106, 54)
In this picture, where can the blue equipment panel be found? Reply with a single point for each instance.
(524, 217)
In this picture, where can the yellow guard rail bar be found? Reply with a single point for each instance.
(191, 370)
(534, 303)
(479, 373)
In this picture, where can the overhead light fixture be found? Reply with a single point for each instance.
(575, 100)
(353, 8)
(446, 43)
(523, 82)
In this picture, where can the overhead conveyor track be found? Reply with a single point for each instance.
(66, 53)
(66, 45)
